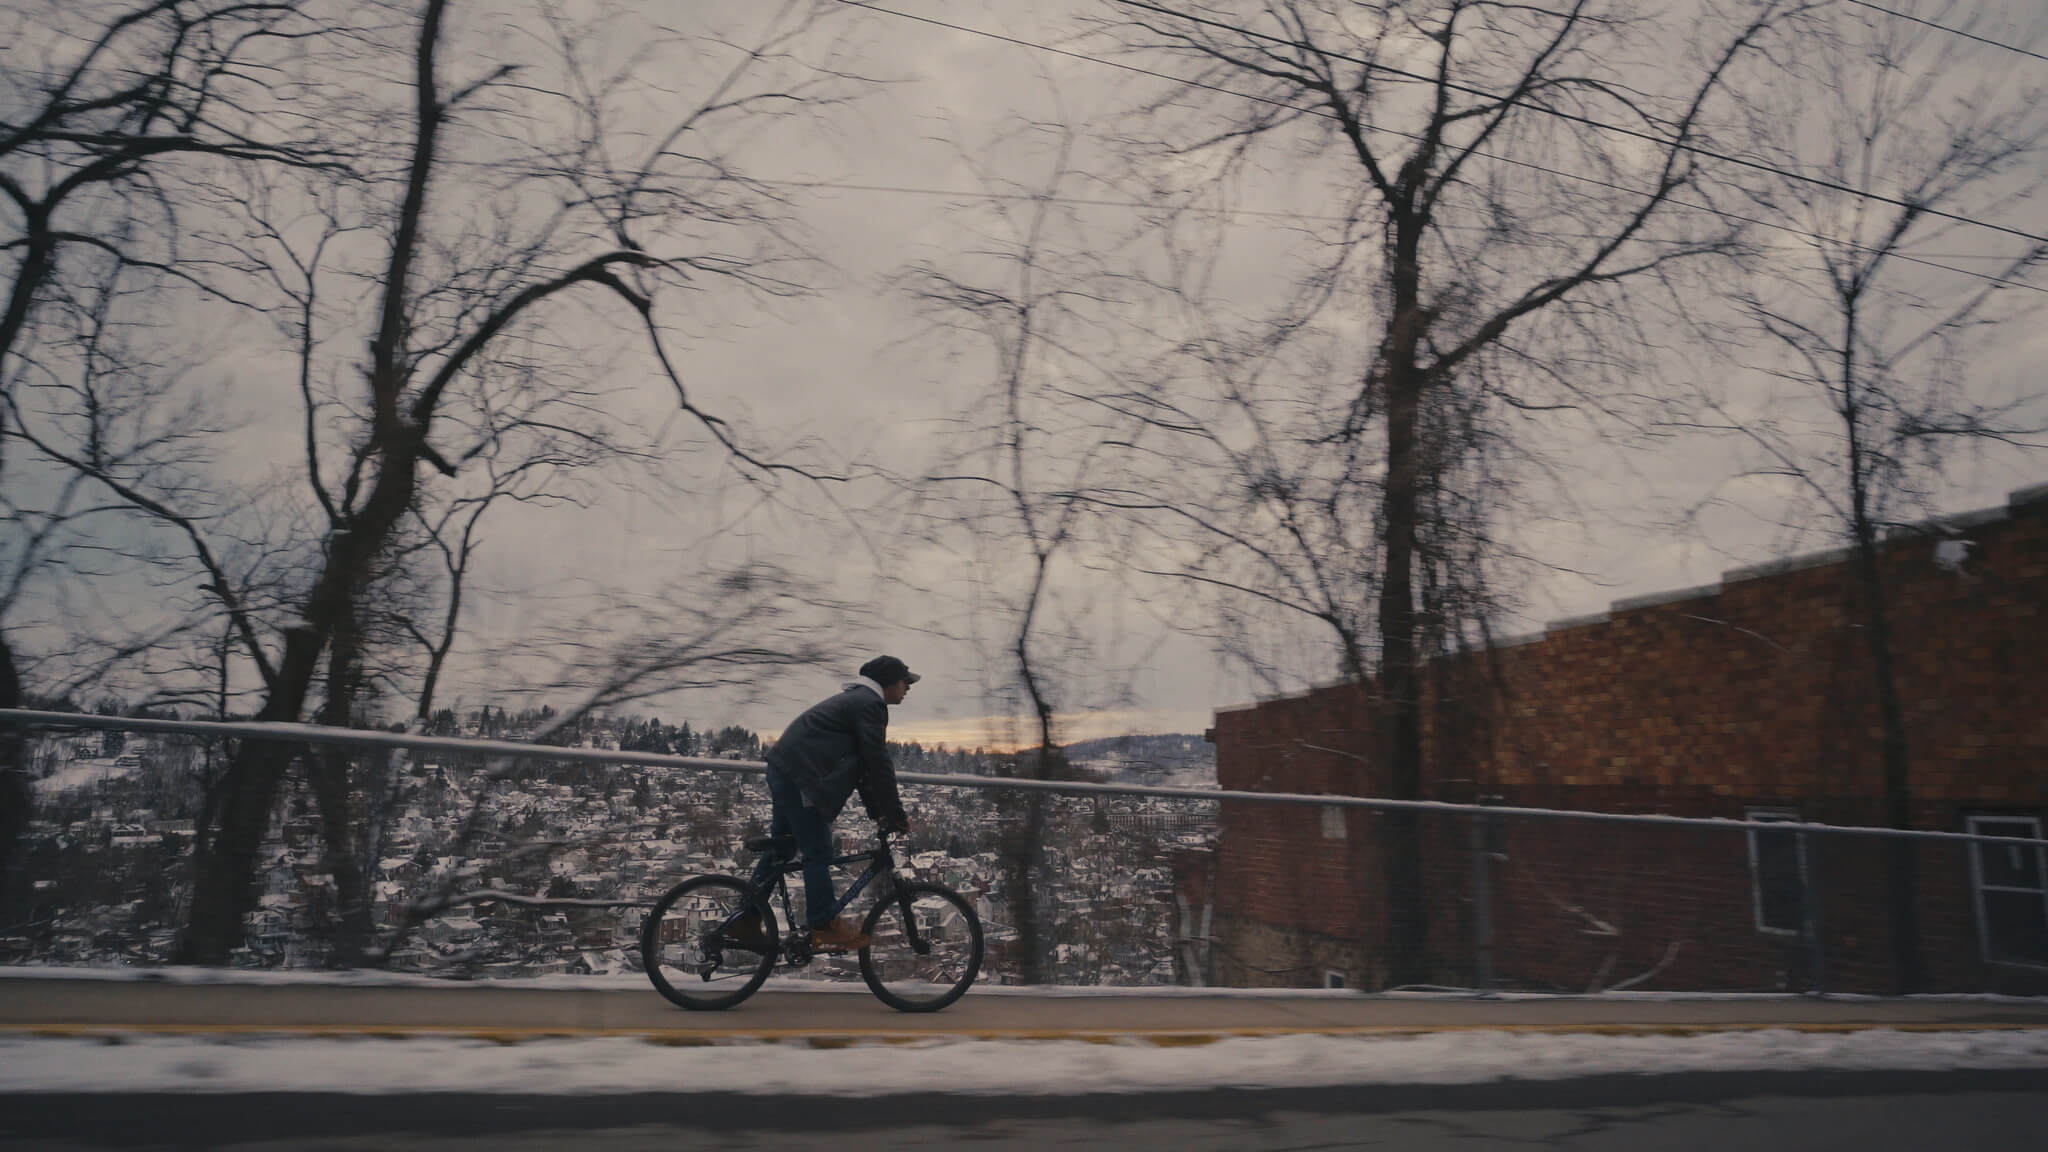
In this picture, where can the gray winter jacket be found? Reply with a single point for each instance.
(837, 747)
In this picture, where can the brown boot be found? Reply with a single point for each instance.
(838, 936)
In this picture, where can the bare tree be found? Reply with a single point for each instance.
(1233, 500)
(476, 227)
(81, 586)
(719, 631)
(104, 100)
(1018, 483)
(1876, 369)
(1504, 172)
(121, 88)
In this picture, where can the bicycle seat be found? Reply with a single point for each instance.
(760, 843)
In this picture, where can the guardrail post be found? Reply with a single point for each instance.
(1482, 906)
(1809, 920)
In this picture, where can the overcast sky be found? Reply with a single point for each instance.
(853, 368)
(851, 355)
(850, 364)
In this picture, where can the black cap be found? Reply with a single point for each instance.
(887, 670)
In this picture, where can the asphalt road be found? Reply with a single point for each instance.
(1749, 1112)
(1724, 1112)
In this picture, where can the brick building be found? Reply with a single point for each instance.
(1749, 699)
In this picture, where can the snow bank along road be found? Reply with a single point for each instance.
(197, 1030)
(1872, 1091)
(226, 1060)
(132, 1063)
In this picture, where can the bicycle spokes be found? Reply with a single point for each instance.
(925, 948)
(711, 930)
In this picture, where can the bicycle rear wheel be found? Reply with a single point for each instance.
(927, 962)
(701, 948)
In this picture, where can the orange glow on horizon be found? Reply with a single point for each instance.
(1009, 733)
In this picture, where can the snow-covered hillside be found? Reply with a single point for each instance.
(1172, 760)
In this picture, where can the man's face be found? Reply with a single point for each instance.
(894, 693)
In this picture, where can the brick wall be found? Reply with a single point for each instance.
(1710, 702)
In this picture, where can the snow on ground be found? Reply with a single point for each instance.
(81, 773)
(144, 1063)
(610, 982)
(637, 982)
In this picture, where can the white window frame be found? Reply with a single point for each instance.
(1335, 978)
(1756, 888)
(1978, 887)
(1334, 827)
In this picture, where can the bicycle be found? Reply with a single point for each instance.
(703, 953)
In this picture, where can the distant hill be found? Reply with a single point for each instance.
(1176, 759)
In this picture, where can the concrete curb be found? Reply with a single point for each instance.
(844, 1038)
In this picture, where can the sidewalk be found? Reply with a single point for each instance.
(51, 1004)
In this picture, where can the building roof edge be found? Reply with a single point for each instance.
(1653, 599)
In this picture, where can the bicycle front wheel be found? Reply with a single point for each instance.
(924, 947)
(709, 942)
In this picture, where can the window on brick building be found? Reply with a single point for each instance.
(1332, 978)
(1333, 822)
(2011, 883)
(1777, 873)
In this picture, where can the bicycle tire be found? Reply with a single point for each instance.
(689, 960)
(910, 981)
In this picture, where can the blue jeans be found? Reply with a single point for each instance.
(801, 830)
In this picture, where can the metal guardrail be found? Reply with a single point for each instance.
(1500, 904)
(398, 741)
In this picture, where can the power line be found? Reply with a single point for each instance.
(1946, 28)
(1925, 259)
(1265, 213)
(1599, 125)
(1528, 164)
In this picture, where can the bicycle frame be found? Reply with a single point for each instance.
(881, 862)
(921, 943)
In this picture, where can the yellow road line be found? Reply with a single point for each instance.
(837, 1037)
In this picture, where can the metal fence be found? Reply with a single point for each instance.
(1128, 883)
(1521, 899)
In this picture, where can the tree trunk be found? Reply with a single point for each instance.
(15, 794)
(224, 868)
(38, 257)
(224, 856)
(1900, 861)
(1400, 705)
(334, 794)
(1401, 735)
(1022, 853)
(1894, 766)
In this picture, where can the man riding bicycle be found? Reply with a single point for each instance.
(836, 748)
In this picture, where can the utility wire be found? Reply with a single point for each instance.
(1265, 213)
(1588, 121)
(1327, 115)
(1946, 28)
(1275, 214)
